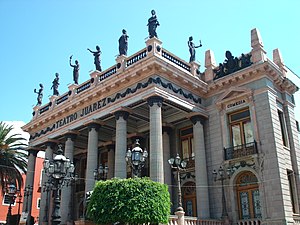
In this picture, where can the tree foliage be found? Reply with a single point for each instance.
(138, 200)
(12, 160)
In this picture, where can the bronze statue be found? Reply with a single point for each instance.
(192, 49)
(97, 60)
(152, 24)
(40, 94)
(75, 70)
(123, 43)
(55, 84)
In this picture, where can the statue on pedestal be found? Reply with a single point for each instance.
(75, 70)
(152, 25)
(97, 60)
(55, 84)
(40, 94)
(123, 43)
(192, 49)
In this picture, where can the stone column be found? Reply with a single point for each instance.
(27, 202)
(66, 191)
(200, 171)
(156, 145)
(111, 161)
(44, 207)
(121, 143)
(92, 156)
(166, 155)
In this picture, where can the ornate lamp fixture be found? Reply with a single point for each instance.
(11, 191)
(60, 170)
(136, 158)
(101, 172)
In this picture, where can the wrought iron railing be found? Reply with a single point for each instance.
(175, 60)
(137, 57)
(83, 87)
(240, 150)
(45, 108)
(249, 222)
(108, 73)
(62, 99)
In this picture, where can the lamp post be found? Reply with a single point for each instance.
(60, 170)
(19, 202)
(179, 165)
(47, 186)
(11, 192)
(220, 175)
(27, 193)
(101, 172)
(136, 158)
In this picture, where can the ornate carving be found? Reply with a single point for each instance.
(72, 136)
(232, 64)
(155, 99)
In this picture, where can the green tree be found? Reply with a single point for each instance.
(12, 159)
(133, 201)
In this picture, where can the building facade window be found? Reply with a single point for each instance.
(189, 199)
(284, 134)
(240, 127)
(38, 203)
(187, 142)
(6, 200)
(248, 196)
(293, 193)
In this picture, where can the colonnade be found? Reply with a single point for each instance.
(160, 171)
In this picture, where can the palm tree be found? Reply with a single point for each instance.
(13, 160)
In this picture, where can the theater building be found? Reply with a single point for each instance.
(237, 116)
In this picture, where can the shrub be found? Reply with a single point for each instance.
(138, 200)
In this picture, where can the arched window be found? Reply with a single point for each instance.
(189, 199)
(248, 196)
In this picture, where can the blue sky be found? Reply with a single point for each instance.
(37, 37)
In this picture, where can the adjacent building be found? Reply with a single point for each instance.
(20, 203)
(236, 118)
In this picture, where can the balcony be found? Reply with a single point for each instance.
(240, 151)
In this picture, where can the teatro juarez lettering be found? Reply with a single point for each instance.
(83, 112)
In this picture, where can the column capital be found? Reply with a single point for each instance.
(71, 135)
(51, 143)
(96, 126)
(33, 151)
(167, 129)
(121, 113)
(155, 99)
(197, 118)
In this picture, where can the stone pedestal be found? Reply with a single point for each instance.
(84, 222)
(154, 46)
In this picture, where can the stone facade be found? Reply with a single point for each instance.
(240, 124)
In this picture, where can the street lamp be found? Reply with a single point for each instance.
(11, 192)
(179, 165)
(136, 158)
(101, 172)
(220, 175)
(60, 170)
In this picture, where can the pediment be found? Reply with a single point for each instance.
(234, 94)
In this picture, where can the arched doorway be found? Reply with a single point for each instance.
(248, 196)
(189, 199)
